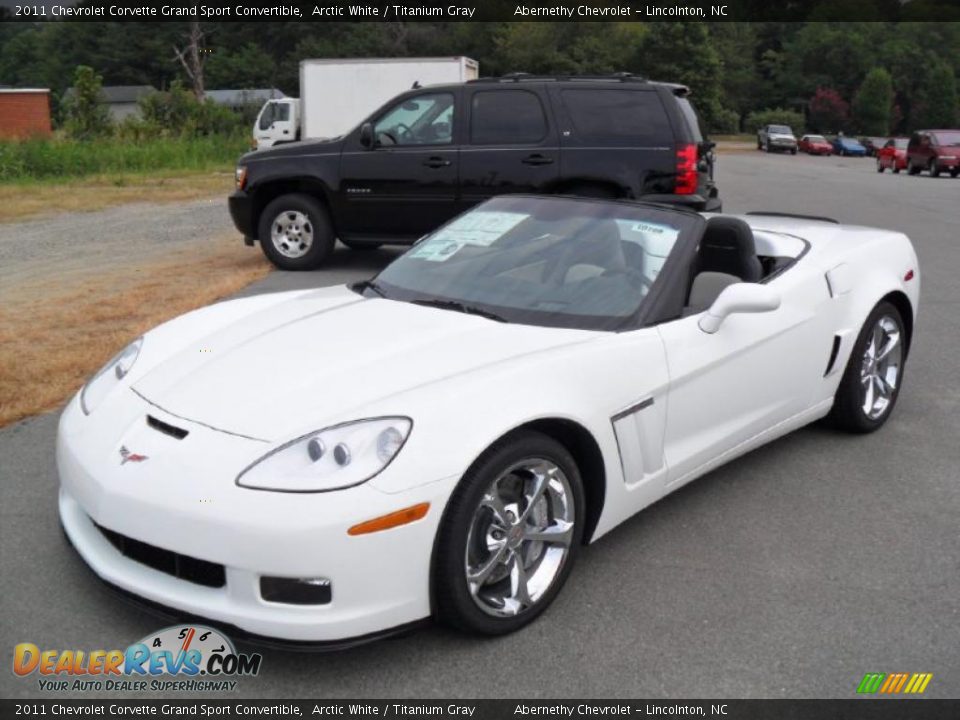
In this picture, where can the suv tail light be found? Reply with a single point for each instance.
(686, 170)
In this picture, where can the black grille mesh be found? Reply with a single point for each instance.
(200, 572)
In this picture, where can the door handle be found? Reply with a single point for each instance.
(436, 162)
(537, 160)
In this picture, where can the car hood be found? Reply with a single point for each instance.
(318, 357)
(781, 136)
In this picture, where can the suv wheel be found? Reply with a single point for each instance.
(954, 171)
(934, 168)
(912, 169)
(296, 232)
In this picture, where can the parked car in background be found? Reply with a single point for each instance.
(433, 152)
(815, 145)
(776, 138)
(848, 146)
(872, 144)
(935, 151)
(893, 155)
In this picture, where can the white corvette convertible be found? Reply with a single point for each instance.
(332, 465)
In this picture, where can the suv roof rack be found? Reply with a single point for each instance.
(821, 218)
(531, 77)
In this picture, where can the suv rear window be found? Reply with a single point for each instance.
(617, 117)
(690, 115)
(506, 117)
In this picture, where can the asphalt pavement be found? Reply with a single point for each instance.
(790, 572)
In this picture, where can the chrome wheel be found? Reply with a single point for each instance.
(519, 537)
(292, 233)
(880, 369)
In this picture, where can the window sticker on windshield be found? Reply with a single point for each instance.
(656, 239)
(479, 229)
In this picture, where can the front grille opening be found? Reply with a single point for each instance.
(296, 591)
(166, 428)
(199, 572)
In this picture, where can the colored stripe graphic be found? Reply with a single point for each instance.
(871, 682)
(894, 683)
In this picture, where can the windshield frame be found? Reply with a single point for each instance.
(663, 300)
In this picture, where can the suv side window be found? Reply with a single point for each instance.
(617, 117)
(506, 117)
(421, 120)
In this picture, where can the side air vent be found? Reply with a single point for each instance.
(834, 351)
(167, 428)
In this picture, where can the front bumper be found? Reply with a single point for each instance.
(241, 212)
(947, 163)
(379, 581)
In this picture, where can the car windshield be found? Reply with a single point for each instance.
(948, 138)
(816, 138)
(549, 261)
(780, 129)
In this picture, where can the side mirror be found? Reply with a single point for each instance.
(366, 135)
(739, 298)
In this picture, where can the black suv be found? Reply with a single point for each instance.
(432, 152)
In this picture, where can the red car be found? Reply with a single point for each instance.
(814, 145)
(893, 155)
(934, 150)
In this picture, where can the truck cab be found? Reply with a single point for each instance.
(278, 122)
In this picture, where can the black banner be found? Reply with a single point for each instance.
(855, 709)
(485, 10)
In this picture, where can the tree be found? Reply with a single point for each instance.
(936, 101)
(873, 104)
(828, 111)
(87, 116)
(683, 52)
(193, 56)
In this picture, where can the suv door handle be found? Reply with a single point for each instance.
(436, 162)
(537, 159)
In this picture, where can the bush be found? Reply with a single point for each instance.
(87, 116)
(775, 116)
(725, 122)
(178, 113)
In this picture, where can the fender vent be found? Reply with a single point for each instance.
(167, 428)
(834, 351)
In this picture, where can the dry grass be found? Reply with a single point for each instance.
(51, 342)
(21, 200)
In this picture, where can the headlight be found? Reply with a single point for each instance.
(109, 376)
(330, 459)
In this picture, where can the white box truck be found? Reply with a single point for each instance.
(335, 95)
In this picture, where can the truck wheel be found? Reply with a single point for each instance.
(296, 232)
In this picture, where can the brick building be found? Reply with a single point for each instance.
(24, 113)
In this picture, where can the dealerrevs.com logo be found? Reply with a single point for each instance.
(180, 657)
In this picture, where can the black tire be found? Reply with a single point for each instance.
(767, 147)
(879, 166)
(934, 169)
(455, 606)
(954, 172)
(793, 152)
(912, 169)
(847, 413)
(361, 246)
(894, 168)
(320, 228)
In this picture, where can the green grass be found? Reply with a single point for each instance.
(56, 160)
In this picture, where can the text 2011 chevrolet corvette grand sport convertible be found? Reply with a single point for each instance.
(326, 465)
